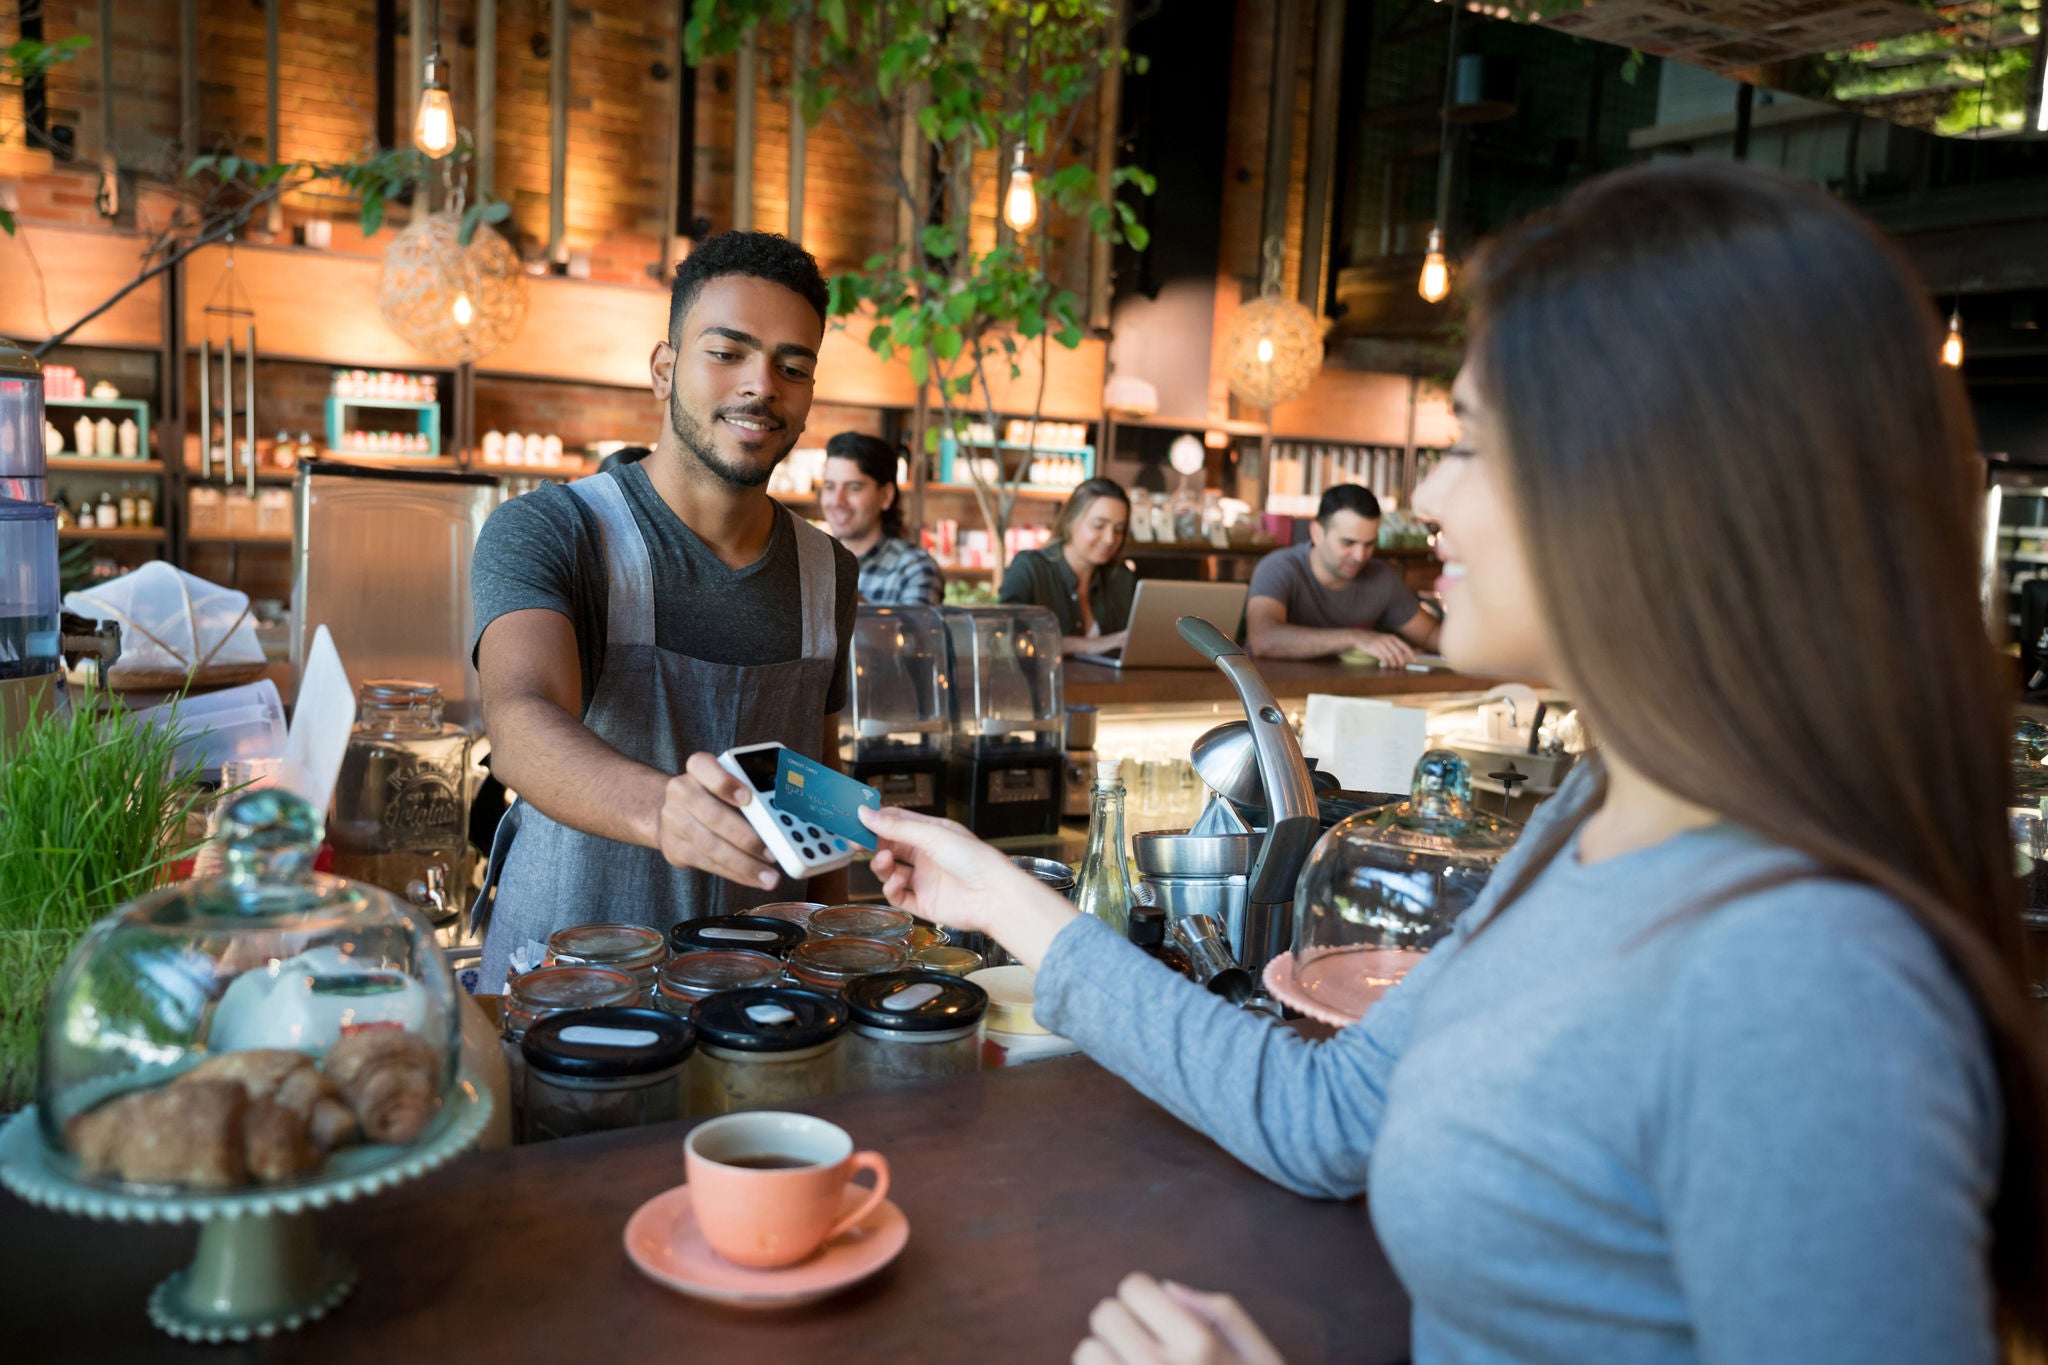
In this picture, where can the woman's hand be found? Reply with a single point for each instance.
(938, 871)
(1149, 1323)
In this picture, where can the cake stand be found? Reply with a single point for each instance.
(258, 1270)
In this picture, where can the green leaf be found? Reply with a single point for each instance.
(920, 368)
(230, 167)
(946, 343)
(939, 241)
(471, 216)
(6, 222)
(1138, 235)
(1029, 326)
(498, 211)
(879, 337)
(199, 163)
(373, 213)
(1069, 337)
(834, 14)
(963, 385)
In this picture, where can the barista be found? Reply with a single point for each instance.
(1329, 596)
(638, 622)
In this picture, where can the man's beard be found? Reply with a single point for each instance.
(690, 432)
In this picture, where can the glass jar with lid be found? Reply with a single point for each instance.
(924, 936)
(401, 803)
(270, 959)
(734, 933)
(547, 991)
(590, 1071)
(1384, 885)
(912, 1026)
(863, 921)
(764, 1047)
(697, 976)
(948, 959)
(828, 964)
(796, 912)
(630, 948)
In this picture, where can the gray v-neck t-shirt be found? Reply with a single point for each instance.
(543, 549)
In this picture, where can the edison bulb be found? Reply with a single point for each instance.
(1952, 351)
(465, 312)
(1265, 350)
(1435, 283)
(433, 131)
(1020, 204)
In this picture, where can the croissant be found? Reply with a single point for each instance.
(276, 1143)
(391, 1078)
(185, 1134)
(291, 1080)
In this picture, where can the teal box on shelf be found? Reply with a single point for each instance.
(950, 456)
(389, 414)
(136, 408)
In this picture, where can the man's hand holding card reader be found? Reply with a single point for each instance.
(806, 813)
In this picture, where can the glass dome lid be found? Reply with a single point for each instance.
(237, 1030)
(1384, 885)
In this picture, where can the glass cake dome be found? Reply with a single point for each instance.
(239, 1030)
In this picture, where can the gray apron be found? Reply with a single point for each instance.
(657, 707)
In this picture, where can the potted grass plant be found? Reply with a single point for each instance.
(95, 808)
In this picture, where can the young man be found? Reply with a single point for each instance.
(635, 624)
(1330, 595)
(859, 496)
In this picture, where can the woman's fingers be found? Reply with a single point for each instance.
(1231, 1322)
(1115, 1326)
(1093, 1352)
(1181, 1330)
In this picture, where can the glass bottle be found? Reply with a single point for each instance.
(401, 804)
(1104, 888)
(127, 505)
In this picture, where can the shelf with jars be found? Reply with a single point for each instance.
(384, 413)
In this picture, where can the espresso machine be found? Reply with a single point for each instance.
(893, 730)
(1006, 760)
(31, 642)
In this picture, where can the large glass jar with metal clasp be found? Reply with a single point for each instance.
(401, 805)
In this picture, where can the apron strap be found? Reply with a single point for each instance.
(629, 614)
(820, 589)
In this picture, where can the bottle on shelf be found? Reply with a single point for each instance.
(84, 439)
(1104, 888)
(63, 509)
(128, 439)
(145, 508)
(103, 437)
(87, 516)
(107, 513)
(307, 450)
(127, 505)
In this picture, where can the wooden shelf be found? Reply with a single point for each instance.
(238, 540)
(107, 464)
(136, 533)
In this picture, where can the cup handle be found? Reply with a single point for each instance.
(858, 1162)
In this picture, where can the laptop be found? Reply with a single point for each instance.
(1154, 641)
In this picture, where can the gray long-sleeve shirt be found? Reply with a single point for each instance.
(1768, 1132)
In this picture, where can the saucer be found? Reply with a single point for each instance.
(1347, 994)
(663, 1239)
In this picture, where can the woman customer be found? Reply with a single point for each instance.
(1731, 1060)
(1080, 574)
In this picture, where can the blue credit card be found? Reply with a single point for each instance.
(830, 800)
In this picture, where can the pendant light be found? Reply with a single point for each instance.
(1952, 345)
(433, 127)
(1020, 203)
(1435, 283)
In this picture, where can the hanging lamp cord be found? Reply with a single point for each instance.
(1443, 145)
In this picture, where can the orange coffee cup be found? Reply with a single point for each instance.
(767, 1187)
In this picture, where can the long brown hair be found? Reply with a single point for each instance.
(1754, 501)
(1085, 495)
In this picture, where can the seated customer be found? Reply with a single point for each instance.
(1079, 575)
(1330, 595)
(859, 497)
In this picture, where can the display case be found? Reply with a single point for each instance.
(1007, 719)
(892, 732)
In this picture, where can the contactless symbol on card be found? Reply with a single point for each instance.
(830, 800)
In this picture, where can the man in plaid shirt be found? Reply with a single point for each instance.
(859, 497)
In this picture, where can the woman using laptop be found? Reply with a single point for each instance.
(1732, 1059)
(1080, 576)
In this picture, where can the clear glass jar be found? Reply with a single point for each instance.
(697, 976)
(590, 1071)
(548, 991)
(630, 948)
(950, 960)
(765, 1047)
(401, 803)
(795, 912)
(924, 936)
(827, 964)
(912, 1026)
(734, 933)
(863, 921)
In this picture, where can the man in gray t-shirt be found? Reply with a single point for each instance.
(1329, 596)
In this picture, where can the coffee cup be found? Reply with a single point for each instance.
(767, 1187)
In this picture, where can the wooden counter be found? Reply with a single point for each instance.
(1030, 1193)
(1290, 679)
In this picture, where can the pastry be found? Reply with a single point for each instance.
(276, 1143)
(188, 1134)
(291, 1080)
(391, 1078)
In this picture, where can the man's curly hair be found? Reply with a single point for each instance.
(764, 255)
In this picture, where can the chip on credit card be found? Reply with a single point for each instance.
(810, 791)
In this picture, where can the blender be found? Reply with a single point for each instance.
(1006, 762)
(892, 732)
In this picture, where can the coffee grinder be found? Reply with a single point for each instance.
(1006, 764)
(893, 730)
(31, 647)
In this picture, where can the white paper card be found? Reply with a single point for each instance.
(1371, 745)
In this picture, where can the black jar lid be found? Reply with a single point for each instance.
(748, 933)
(609, 1043)
(916, 1002)
(768, 1019)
